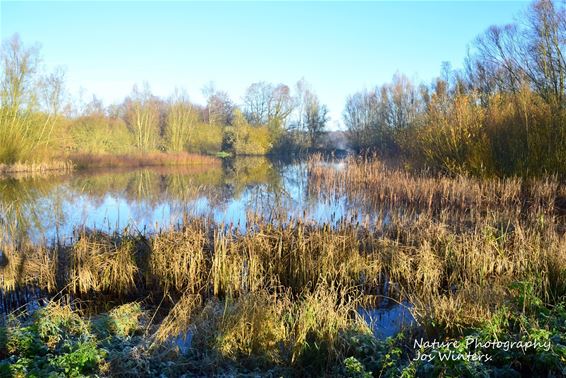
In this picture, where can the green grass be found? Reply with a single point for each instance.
(223, 154)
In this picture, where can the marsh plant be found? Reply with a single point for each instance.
(282, 295)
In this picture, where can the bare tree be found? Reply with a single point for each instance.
(546, 39)
(528, 52)
(269, 105)
(303, 90)
(403, 102)
(29, 101)
(374, 117)
(219, 106)
(316, 117)
(256, 103)
(142, 116)
(361, 117)
(181, 120)
(93, 107)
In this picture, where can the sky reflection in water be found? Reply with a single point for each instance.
(49, 209)
(151, 199)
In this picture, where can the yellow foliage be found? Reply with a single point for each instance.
(251, 140)
(206, 138)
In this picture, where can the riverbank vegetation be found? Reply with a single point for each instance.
(470, 257)
(466, 233)
(503, 114)
(40, 123)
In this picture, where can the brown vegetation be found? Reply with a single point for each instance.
(140, 160)
(37, 168)
(447, 244)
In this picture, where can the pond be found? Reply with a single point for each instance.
(48, 209)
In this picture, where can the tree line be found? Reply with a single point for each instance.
(504, 113)
(36, 120)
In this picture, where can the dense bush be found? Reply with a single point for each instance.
(97, 134)
(250, 140)
(504, 115)
(206, 139)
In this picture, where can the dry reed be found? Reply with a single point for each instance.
(141, 160)
(39, 168)
(452, 246)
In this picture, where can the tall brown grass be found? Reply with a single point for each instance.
(179, 259)
(148, 159)
(452, 246)
(100, 262)
(25, 265)
(372, 181)
(36, 168)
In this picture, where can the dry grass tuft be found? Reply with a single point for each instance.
(178, 260)
(101, 262)
(27, 266)
(179, 319)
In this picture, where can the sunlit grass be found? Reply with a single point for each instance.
(284, 294)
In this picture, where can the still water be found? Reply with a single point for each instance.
(49, 209)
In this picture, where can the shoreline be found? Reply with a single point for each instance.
(79, 162)
(39, 168)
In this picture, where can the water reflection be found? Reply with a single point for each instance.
(51, 208)
(389, 319)
(384, 321)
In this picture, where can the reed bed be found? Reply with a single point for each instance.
(459, 250)
(150, 159)
(382, 186)
(40, 168)
(426, 261)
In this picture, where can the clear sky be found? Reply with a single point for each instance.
(339, 47)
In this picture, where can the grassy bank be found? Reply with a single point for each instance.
(262, 334)
(137, 160)
(85, 161)
(37, 168)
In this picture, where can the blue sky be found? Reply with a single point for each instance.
(339, 47)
